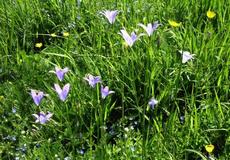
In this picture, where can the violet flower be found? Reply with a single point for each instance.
(105, 91)
(37, 96)
(186, 56)
(128, 39)
(152, 102)
(62, 93)
(150, 28)
(60, 72)
(92, 80)
(110, 15)
(42, 118)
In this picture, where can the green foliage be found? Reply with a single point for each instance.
(193, 108)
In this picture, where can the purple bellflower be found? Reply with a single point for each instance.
(37, 96)
(42, 118)
(150, 28)
(105, 91)
(62, 93)
(128, 39)
(152, 102)
(92, 80)
(186, 56)
(110, 15)
(60, 72)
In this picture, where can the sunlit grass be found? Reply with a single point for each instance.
(147, 81)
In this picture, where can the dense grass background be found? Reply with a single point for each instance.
(193, 108)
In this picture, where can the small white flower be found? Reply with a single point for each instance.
(110, 15)
(153, 102)
(126, 129)
(186, 56)
(129, 39)
(150, 28)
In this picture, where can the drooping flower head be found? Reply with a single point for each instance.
(105, 91)
(60, 72)
(110, 15)
(209, 148)
(174, 23)
(186, 56)
(152, 102)
(42, 118)
(211, 14)
(37, 96)
(92, 80)
(150, 28)
(129, 39)
(62, 93)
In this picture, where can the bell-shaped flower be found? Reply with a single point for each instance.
(62, 93)
(152, 102)
(150, 28)
(105, 91)
(110, 15)
(60, 73)
(186, 56)
(37, 96)
(129, 39)
(92, 80)
(42, 118)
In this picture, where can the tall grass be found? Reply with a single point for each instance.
(193, 108)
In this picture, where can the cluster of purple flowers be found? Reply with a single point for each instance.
(37, 96)
(93, 80)
(129, 39)
(149, 29)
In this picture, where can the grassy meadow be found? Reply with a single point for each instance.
(75, 84)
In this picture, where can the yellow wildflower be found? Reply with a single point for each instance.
(174, 23)
(211, 14)
(38, 45)
(209, 148)
(53, 35)
(65, 34)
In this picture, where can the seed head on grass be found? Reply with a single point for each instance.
(60, 73)
(42, 118)
(110, 15)
(105, 92)
(62, 93)
(211, 14)
(92, 80)
(186, 56)
(152, 102)
(129, 39)
(37, 96)
(150, 28)
(174, 23)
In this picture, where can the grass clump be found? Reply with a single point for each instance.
(149, 80)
